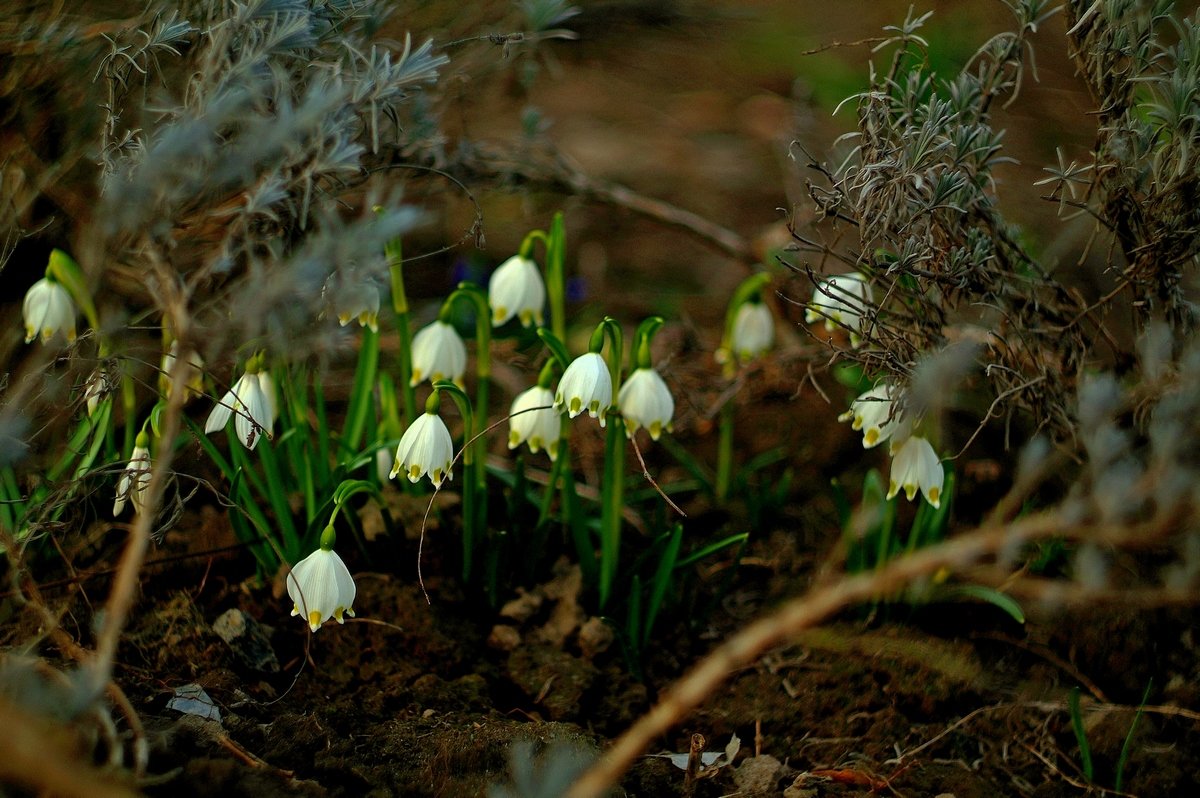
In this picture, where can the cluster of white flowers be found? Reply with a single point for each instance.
(915, 464)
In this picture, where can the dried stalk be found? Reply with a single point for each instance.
(808, 610)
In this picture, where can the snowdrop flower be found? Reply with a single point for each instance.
(538, 428)
(516, 289)
(753, 330)
(360, 300)
(916, 465)
(252, 402)
(425, 448)
(585, 385)
(841, 300)
(876, 414)
(193, 378)
(48, 309)
(645, 401)
(97, 387)
(135, 479)
(320, 587)
(438, 353)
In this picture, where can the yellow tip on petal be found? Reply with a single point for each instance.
(314, 620)
(871, 437)
(934, 497)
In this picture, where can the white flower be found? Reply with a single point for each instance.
(359, 300)
(438, 353)
(193, 380)
(916, 465)
(252, 401)
(516, 289)
(48, 308)
(645, 401)
(321, 588)
(876, 414)
(843, 299)
(538, 428)
(753, 330)
(585, 385)
(97, 387)
(425, 448)
(135, 479)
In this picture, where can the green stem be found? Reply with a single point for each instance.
(475, 296)
(473, 485)
(362, 396)
(724, 450)
(613, 493)
(555, 276)
(394, 253)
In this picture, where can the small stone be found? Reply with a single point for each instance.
(248, 640)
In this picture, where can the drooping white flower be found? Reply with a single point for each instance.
(540, 428)
(585, 385)
(844, 300)
(646, 401)
(321, 588)
(97, 387)
(516, 289)
(135, 479)
(252, 403)
(48, 309)
(359, 300)
(193, 378)
(753, 330)
(915, 465)
(438, 353)
(876, 414)
(425, 448)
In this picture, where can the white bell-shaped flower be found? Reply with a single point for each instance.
(438, 353)
(193, 378)
(321, 588)
(252, 403)
(540, 428)
(585, 385)
(135, 479)
(876, 414)
(915, 465)
(97, 387)
(843, 299)
(360, 300)
(516, 289)
(646, 401)
(753, 330)
(425, 448)
(48, 309)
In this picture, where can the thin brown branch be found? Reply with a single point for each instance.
(798, 614)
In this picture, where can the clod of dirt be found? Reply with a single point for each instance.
(523, 607)
(552, 678)
(248, 639)
(758, 776)
(595, 637)
(503, 638)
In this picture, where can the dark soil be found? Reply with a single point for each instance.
(435, 699)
